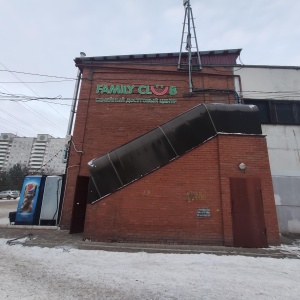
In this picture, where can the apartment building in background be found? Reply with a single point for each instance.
(6, 140)
(41, 154)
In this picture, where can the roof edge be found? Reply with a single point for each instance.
(79, 60)
(267, 67)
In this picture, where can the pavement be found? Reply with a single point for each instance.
(54, 237)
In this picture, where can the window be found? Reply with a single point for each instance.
(284, 113)
(277, 111)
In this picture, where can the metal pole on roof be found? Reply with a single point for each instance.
(189, 21)
(74, 102)
(189, 45)
(182, 37)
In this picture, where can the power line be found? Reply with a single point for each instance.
(16, 126)
(28, 97)
(42, 101)
(36, 74)
(48, 81)
(20, 80)
(34, 93)
(13, 125)
(4, 128)
(30, 111)
(4, 88)
(24, 98)
(18, 119)
(23, 105)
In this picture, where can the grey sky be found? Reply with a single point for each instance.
(43, 37)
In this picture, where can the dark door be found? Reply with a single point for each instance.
(249, 228)
(79, 205)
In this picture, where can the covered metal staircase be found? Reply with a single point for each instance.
(153, 150)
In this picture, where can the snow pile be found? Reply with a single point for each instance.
(45, 273)
(289, 249)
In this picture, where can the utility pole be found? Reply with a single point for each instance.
(189, 21)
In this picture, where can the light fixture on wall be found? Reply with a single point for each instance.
(242, 167)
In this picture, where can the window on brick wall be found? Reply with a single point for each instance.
(277, 111)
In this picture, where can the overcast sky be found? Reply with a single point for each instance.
(43, 37)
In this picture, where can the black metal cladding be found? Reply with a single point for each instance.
(158, 147)
(142, 155)
(104, 176)
(235, 118)
(93, 194)
(189, 130)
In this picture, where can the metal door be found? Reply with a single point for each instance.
(248, 221)
(79, 205)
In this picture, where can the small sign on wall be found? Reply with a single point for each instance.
(203, 212)
(195, 196)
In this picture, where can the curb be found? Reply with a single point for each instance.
(35, 227)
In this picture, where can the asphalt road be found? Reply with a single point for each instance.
(7, 206)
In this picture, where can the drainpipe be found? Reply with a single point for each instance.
(72, 112)
(68, 136)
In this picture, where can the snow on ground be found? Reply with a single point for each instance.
(65, 273)
(289, 249)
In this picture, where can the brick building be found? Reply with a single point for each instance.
(188, 200)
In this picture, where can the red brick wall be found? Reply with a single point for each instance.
(162, 207)
(101, 127)
(252, 151)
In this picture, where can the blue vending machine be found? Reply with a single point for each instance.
(29, 207)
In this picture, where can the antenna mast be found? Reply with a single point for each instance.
(189, 21)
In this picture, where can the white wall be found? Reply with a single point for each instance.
(283, 147)
(259, 82)
(287, 191)
(283, 140)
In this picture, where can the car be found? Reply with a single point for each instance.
(9, 194)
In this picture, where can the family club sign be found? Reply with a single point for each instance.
(142, 91)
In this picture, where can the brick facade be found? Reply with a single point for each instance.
(162, 206)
